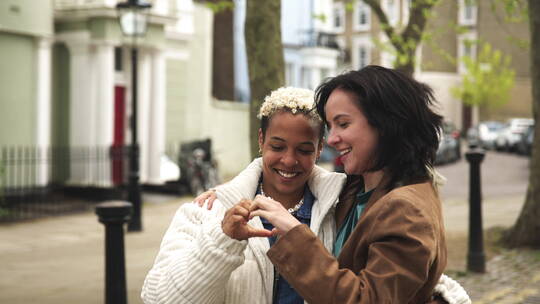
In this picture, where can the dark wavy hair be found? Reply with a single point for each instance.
(400, 108)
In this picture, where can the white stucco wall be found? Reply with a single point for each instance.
(441, 83)
(228, 127)
(225, 122)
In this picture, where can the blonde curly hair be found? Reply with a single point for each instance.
(293, 100)
(289, 99)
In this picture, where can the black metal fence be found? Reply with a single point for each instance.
(37, 182)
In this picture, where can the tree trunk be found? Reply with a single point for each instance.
(526, 230)
(265, 57)
(223, 55)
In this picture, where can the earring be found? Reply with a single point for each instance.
(260, 151)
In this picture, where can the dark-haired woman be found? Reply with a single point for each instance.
(390, 245)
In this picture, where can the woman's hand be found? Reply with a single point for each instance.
(235, 224)
(210, 196)
(274, 212)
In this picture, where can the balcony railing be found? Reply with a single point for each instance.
(320, 39)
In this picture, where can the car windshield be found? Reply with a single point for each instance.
(494, 126)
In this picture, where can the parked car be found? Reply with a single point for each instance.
(484, 134)
(524, 145)
(508, 138)
(449, 145)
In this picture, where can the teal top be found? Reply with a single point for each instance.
(352, 219)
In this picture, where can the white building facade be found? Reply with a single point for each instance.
(309, 42)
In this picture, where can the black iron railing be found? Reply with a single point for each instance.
(37, 182)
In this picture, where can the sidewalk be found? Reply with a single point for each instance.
(61, 260)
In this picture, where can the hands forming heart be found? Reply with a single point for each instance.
(235, 223)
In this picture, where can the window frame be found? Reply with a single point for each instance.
(360, 5)
(462, 12)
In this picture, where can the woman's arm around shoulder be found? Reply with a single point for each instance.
(195, 259)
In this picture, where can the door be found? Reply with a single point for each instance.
(118, 151)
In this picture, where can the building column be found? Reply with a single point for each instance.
(315, 77)
(82, 116)
(156, 139)
(104, 98)
(43, 106)
(104, 103)
(144, 104)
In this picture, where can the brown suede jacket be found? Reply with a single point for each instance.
(396, 253)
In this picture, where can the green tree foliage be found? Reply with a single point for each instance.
(218, 6)
(488, 80)
(516, 10)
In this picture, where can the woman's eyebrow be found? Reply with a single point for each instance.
(335, 118)
(302, 143)
(277, 138)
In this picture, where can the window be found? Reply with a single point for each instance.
(467, 12)
(363, 57)
(466, 47)
(391, 8)
(361, 51)
(118, 59)
(339, 17)
(361, 18)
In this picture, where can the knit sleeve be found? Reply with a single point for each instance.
(195, 259)
(451, 291)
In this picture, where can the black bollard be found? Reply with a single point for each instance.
(476, 259)
(114, 215)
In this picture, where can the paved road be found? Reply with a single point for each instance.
(503, 174)
(60, 260)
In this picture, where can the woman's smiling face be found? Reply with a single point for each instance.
(289, 148)
(350, 133)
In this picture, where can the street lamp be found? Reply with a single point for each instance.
(132, 16)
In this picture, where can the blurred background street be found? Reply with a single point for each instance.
(61, 259)
(152, 102)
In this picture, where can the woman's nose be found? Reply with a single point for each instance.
(333, 139)
(289, 160)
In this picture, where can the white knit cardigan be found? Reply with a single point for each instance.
(197, 263)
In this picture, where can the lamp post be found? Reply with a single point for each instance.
(133, 15)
